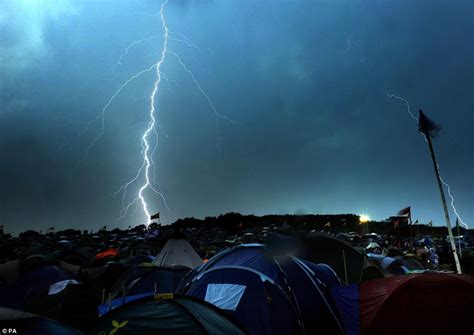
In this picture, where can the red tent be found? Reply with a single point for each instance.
(418, 304)
(107, 253)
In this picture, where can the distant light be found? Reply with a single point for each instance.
(364, 218)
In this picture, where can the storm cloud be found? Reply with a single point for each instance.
(305, 81)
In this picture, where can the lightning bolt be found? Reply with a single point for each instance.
(148, 149)
(452, 202)
(151, 124)
(406, 103)
(448, 188)
(132, 45)
(101, 115)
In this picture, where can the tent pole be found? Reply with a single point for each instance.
(345, 266)
(110, 301)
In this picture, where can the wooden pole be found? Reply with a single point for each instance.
(445, 207)
(459, 239)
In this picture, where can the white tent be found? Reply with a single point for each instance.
(178, 252)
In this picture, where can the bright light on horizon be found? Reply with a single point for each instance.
(364, 218)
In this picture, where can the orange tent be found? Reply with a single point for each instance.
(107, 253)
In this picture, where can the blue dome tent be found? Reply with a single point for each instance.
(268, 294)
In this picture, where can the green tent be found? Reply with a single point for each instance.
(178, 315)
(350, 264)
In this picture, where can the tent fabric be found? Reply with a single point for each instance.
(264, 308)
(27, 323)
(74, 269)
(146, 278)
(324, 273)
(179, 315)
(342, 257)
(114, 303)
(103, 277)
(178, 252)
(107, 253)
(61, 285)
(346, 299)
(224, 296)
(158, 280)
(396, 266)
(39, 280)
(10, 272)
(297, 292)
(418, 297)
(414, 304)
(75, 305)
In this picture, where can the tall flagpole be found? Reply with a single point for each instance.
(443, 198)
(459, 238)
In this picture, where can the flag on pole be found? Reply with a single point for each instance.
(155, 216)
(428, 126)
(406, 212)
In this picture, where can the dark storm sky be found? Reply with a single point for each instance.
(305, 80)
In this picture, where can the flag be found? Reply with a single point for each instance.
(327, 224)
(155, 216)
(427, 126)
(406, 212)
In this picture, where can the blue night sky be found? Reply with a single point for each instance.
(302, 121)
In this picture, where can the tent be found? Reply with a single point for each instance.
(397, 265)
(373, 245)
(350, 264)
(27, 323)
(177, 315)
(414, 304)
(83, 256)
(178, 252)
(267, 294)
(39, 280)
(109, 253)
(103, 277)
(148, 278)
(68, 302)
(10, 272)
